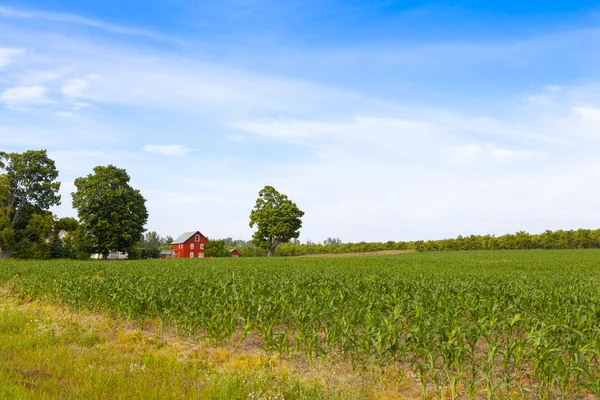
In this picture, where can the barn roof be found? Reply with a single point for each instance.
(184, 236)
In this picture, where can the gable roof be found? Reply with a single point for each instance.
(185, 236)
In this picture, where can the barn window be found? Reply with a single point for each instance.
(200, 255)
(202, 246)
(191, 245)
(192, 254)
(197, 238)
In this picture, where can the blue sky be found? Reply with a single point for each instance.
(382, 120)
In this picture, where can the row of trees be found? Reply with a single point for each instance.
(111, 213)
(561, 239)
(112, 216)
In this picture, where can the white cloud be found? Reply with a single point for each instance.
(6, 55)
(465, 154)
(578, 122)
(507, 153)
(80, 105)
(589, 115)
(74, 87)
(24, 95)
(64, 114)
(174, 150)
(79, 20)
(235, 137)
(37, 77)
(390, 133)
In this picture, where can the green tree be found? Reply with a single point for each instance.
(82, 246)
(56, 246)
(150, 245)
(32, 236)
(277, 218)
(68, 248)
(330, 241)
(28, 188)
(67, 224)
(216, 248)
(111, 213)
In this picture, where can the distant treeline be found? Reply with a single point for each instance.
(579, 239)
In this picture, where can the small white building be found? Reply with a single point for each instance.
(115, 255)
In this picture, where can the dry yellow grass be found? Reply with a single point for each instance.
(50, 351)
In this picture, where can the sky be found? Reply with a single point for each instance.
(382, 120)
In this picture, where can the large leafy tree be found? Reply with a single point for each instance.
(111, 213)
(28, 188)
(150, 245)
(277, 218)
(67, 224)
(216, 248)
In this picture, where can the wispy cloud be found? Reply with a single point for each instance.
(65, 114)
(509, 154)
(466, 154)
(7, 54)
(79, 20)
(24, 95)
(74, 87)
(36, 77)
(173, 150)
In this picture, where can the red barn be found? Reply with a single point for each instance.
(189, 245)
(235, 253)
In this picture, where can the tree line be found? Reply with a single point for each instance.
(548, 240)
(112, 215)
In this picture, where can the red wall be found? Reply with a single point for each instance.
(183, 250)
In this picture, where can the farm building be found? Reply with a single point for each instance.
(113, 255)
(189, 245)
(235, 253)
(165, 254)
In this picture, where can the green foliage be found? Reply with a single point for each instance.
(151, 244)
(68, 246)
(277, 218)
(56, 246)
(135, 253)
(548, 240)
(332, 241)
(82, 245)
(216, 248)
(111, 213)
(67, 224)
(32, 237)
(28, 188)
(469, 324)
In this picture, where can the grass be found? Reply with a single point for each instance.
(51, 352)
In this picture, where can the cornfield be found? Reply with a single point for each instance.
(466, 324)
